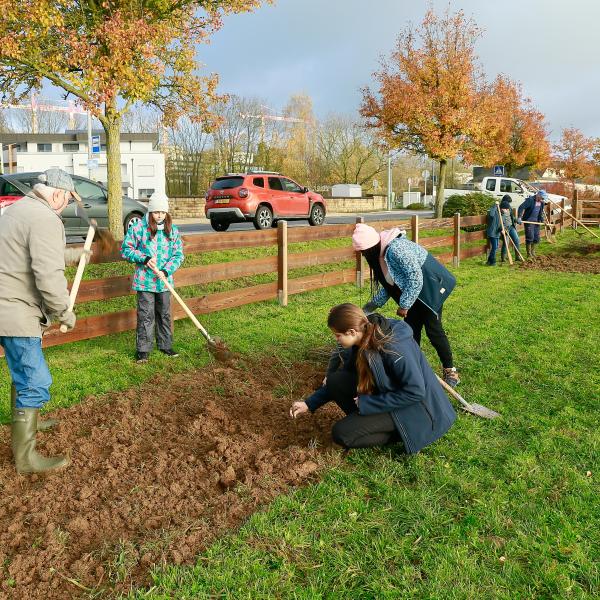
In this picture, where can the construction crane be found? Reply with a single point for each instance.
(36, 106)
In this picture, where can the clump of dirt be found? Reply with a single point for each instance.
(157, 473)
(565, 264)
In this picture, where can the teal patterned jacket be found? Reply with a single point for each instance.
(138, 247)
(404, 260)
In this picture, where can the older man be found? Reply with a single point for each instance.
(532, 210)
(33, 291)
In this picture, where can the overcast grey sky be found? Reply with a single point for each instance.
(330, 48)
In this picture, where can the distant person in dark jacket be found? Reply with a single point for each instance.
(418, 283)
(494, 230)
(532, 210)
(381, 379)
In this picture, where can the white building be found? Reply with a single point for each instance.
(142, 163)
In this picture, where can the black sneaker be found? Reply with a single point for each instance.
(141, 357)
(170, 352)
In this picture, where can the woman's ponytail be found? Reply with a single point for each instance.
(349, 316)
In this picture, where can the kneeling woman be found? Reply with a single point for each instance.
(380, 378)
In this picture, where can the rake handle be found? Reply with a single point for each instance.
(188, 312)
(574, 219)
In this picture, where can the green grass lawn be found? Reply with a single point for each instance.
(495, 509)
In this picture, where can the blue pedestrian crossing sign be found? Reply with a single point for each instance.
(95, 144)
(499, 170)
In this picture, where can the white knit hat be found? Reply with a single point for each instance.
(158, 202)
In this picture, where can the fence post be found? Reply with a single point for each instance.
(456, 257)
(414, 227)
(282, 263)
(562, 215)
(575, 207)
(360, 277)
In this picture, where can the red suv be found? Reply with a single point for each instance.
(262, 198)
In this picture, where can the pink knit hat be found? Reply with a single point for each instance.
(364, 237)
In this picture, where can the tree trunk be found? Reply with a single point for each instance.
(112, 127)
(439, 197)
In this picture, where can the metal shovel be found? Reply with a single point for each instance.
(475, 409)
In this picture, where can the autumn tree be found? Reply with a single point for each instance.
(298, 139)
(431, 97)
(110, 54)
(573, 154)
(517, 138)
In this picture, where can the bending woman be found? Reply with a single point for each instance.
(418, 283)
(380, 378)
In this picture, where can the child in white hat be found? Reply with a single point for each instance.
(154, 246)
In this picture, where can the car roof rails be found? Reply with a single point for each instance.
(261, 172)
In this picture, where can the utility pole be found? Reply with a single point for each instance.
(89, 143)
(389, 183)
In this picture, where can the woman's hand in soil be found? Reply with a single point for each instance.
(298, 408)
(402, 312)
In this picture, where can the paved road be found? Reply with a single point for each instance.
(188, 226)
(204, 227)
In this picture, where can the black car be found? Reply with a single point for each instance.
(93, 195)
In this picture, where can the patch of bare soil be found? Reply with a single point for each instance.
(565, 264)
(157, 473)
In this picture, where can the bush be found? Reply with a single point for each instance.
(473, 204)
(416, 206)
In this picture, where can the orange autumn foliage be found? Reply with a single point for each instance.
(432, 99)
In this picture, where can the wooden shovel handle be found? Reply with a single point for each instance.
(453, 392)
(83, 259)
(510, 260)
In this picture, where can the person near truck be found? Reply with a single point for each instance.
(532, 210)
(155, 247)
(494, 230)
(33, 292)
(418, 283)
(383, 383)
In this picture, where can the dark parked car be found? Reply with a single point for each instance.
(93, 195)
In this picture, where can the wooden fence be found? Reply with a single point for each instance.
(455, 243)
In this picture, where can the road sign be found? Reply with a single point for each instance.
(498, 170)
(92, 163)
(95, 144)
(425, 174)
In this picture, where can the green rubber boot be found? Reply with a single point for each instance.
(41, 425)
(528, 247)
(24, 430)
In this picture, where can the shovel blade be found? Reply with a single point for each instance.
(480, 411)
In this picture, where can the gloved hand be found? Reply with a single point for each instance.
(519, 221)
(369, 308)
(68, 319)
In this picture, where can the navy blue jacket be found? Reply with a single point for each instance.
(525, 209)
(406, 387)
(494, 227)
